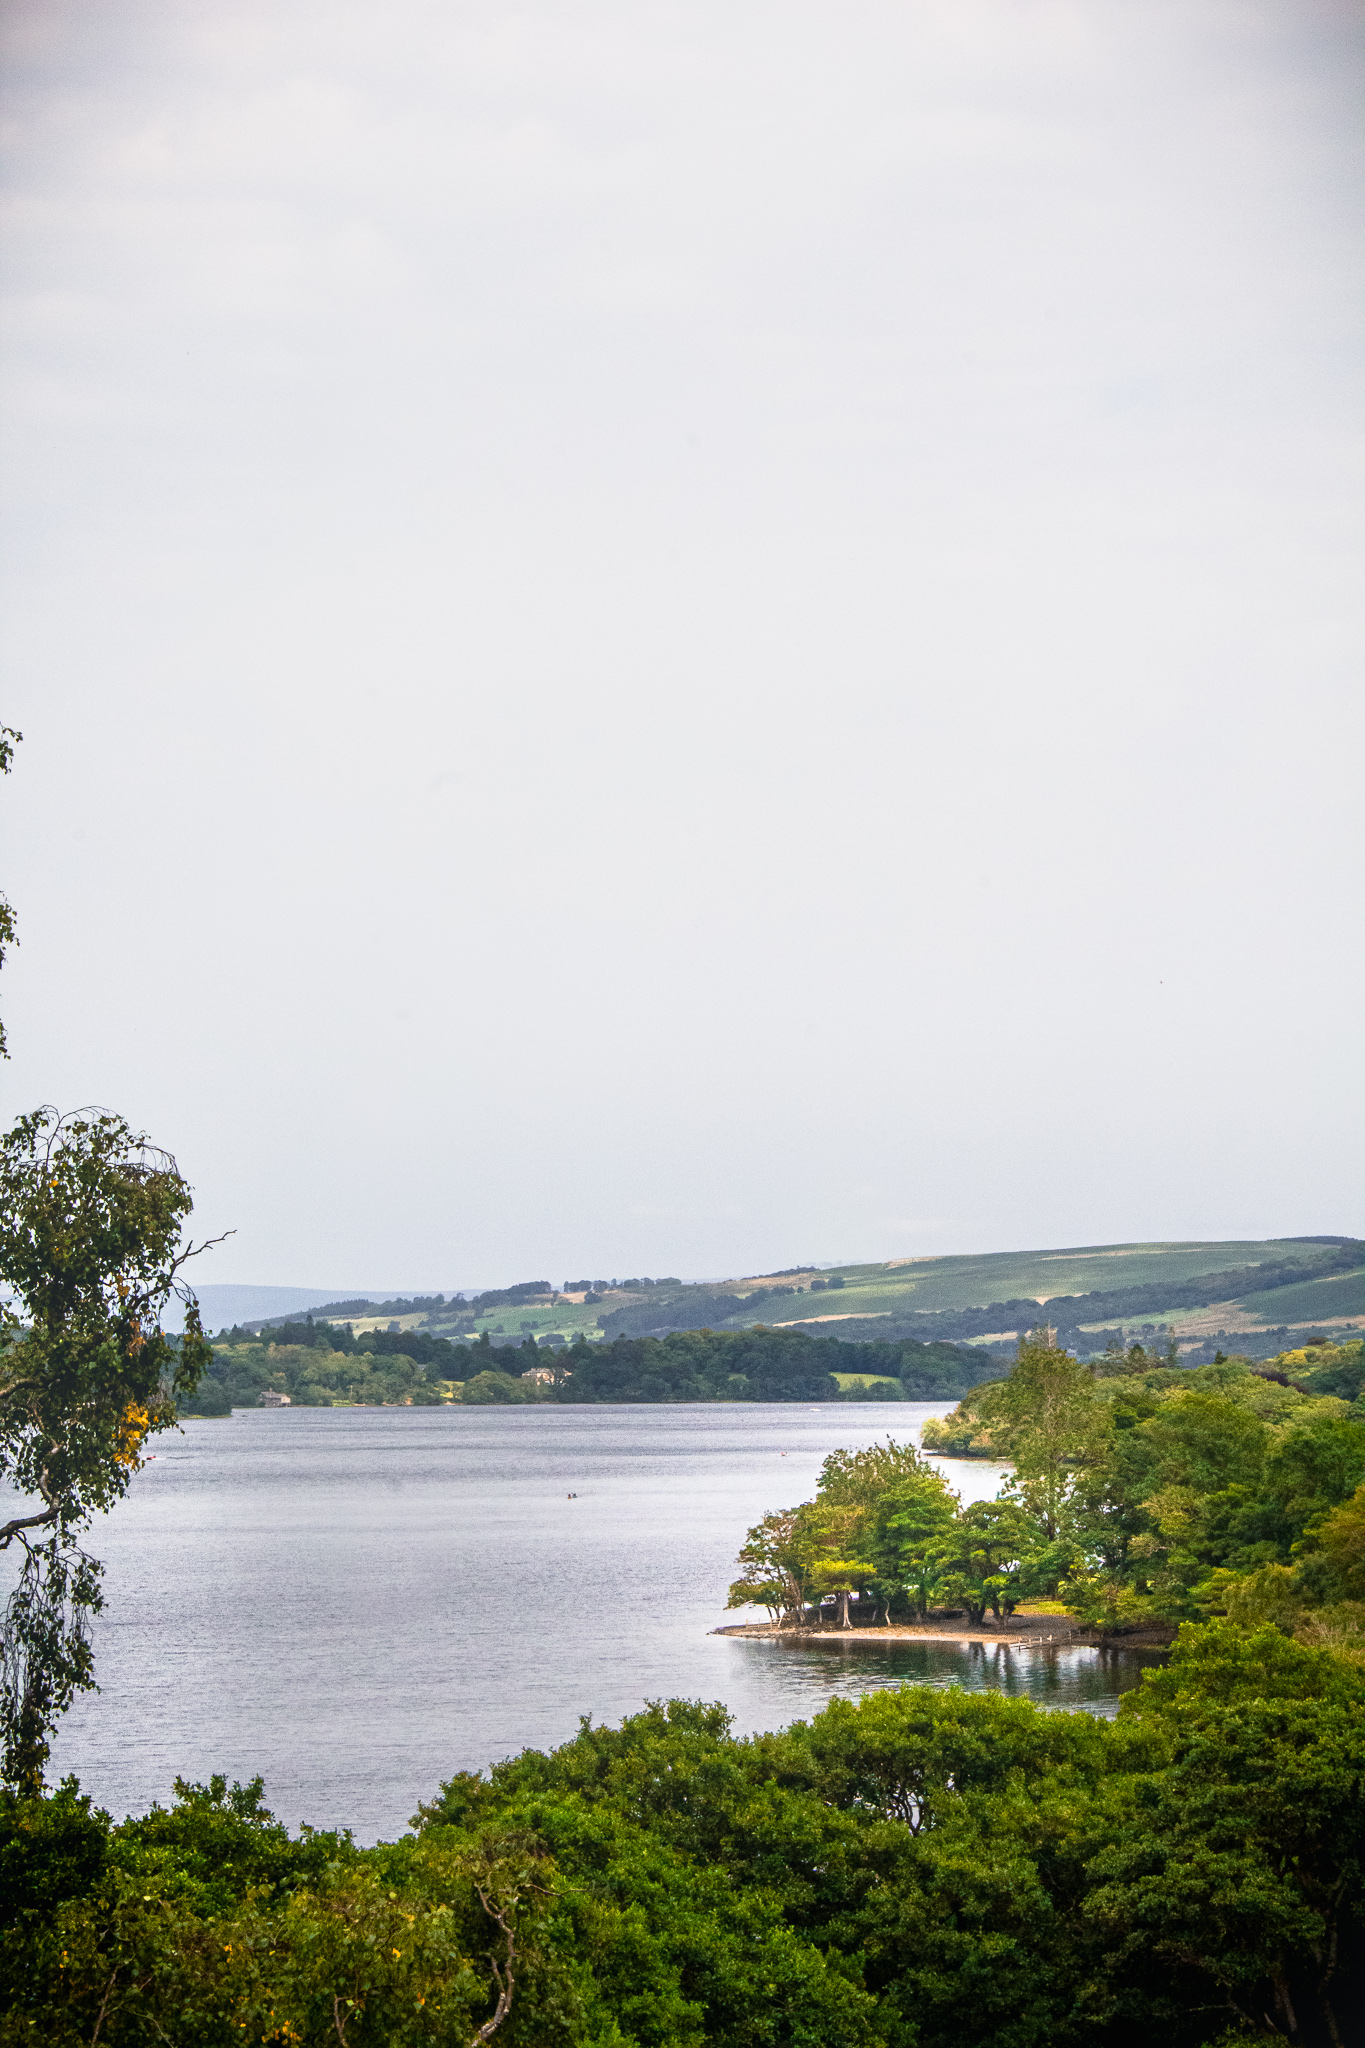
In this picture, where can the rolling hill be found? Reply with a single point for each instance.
(1248, 1290)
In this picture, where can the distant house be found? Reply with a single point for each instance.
(539, 1372)
(270, 1399)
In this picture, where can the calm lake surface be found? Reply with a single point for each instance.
(357, 1602)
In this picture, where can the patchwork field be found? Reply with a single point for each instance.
(974, 1280)
(1198, 1287)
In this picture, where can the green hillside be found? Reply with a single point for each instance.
(1201, 1287)
(1340, 1294)
(973, 1280)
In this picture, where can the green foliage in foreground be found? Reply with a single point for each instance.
(920, 1869)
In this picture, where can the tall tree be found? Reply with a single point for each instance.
(91, 1222)
(773, 1575)
(857, 1478)
(845, 1536)
(834, 1549)
(911, 1520)
(986, 1555)
(1045, 1418)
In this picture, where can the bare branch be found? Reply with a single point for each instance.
(104, 2006)
(502, 1978)
(192, 1251)
(21, 1522)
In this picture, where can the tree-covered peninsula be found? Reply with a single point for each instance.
(1144, 1494)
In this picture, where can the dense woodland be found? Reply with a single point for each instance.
(318, 1364)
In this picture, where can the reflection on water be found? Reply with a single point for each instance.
(358, 1602)
(801, 1678)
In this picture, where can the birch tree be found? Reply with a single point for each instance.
(91, 1225)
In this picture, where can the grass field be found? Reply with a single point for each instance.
(1341, 1294)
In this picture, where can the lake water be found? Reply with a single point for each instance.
(357, 1602)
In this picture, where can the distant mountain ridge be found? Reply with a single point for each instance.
(225, 1302)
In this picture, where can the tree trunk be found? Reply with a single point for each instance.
(844, 1621)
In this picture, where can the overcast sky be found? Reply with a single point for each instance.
(683, 638)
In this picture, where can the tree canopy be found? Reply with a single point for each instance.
(916, 1869)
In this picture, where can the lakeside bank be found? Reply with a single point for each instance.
(1019, 1632)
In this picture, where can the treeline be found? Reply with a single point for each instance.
(918, 1869)
(319, 1363)
(444, 1308)
(692, 1308)
(313, 1375)
(757, 1365)
(311, 1334)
